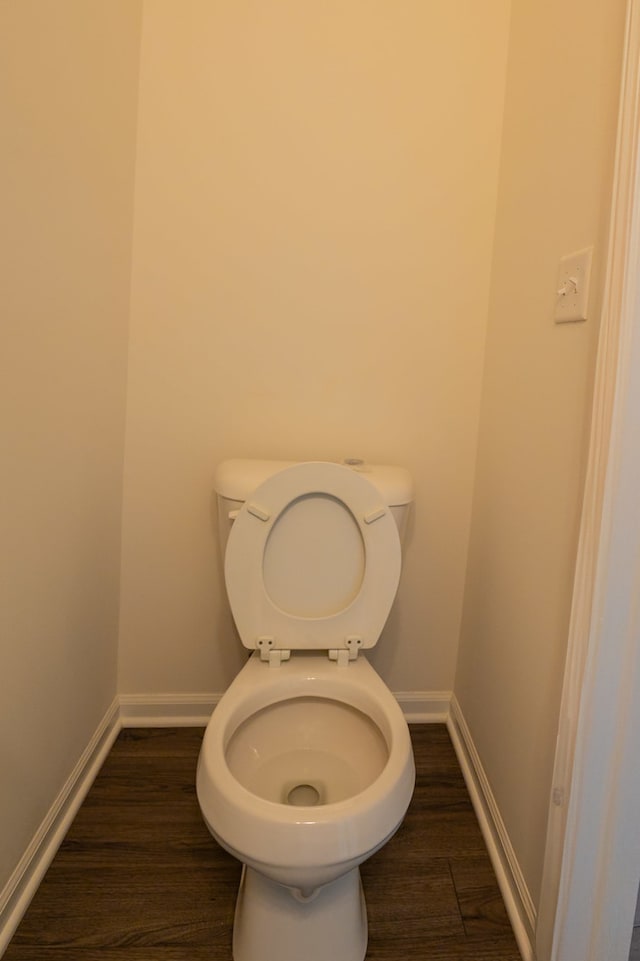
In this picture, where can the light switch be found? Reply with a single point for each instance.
(572, 288)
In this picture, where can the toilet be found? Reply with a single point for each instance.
(306, 767)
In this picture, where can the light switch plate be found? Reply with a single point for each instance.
(572, 288)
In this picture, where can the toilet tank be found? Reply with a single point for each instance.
(235, 480)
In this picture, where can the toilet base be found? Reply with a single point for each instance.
(272, 924)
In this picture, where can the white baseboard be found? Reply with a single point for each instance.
(167, 710)
(513, 888)
(424, 707)
(23, 883)
(194, 710)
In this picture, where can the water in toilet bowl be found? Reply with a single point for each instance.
(307, 751)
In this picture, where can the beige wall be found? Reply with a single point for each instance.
(67, 101)
(560, 116)
(315, 202)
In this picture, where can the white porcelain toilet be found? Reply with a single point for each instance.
(306, 767)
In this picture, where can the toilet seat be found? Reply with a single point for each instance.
(260, 573)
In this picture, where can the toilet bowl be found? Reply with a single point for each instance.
(306, 767)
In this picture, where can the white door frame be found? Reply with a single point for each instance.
(592, 856)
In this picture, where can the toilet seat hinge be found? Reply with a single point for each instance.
(349, 652)
(268, 652)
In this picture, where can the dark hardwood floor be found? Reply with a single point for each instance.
(139, 878)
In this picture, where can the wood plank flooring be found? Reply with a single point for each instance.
(139, 878)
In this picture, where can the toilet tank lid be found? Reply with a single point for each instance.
(236, 479)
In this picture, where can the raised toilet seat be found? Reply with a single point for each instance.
(326, 592)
